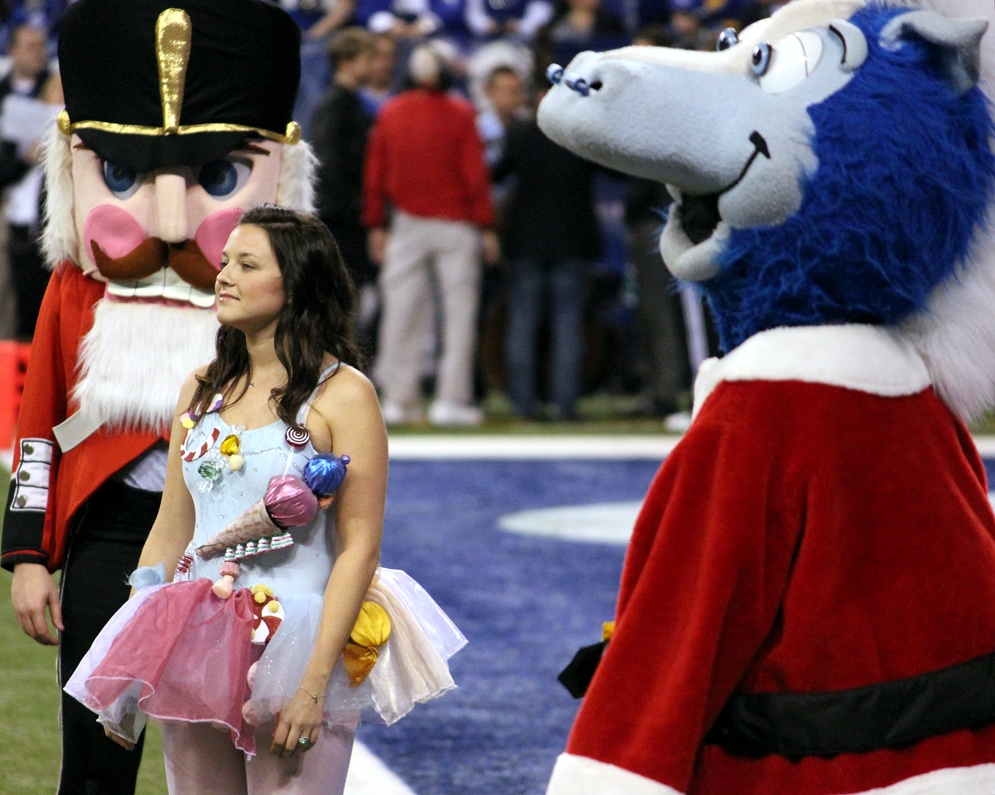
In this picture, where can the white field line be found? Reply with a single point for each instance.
(531, 447)
(432, 447)
(369, 776)
(539, 447)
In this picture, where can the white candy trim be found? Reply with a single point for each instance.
(580, 775)
(870, 359)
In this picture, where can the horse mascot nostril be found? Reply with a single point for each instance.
(808, 600)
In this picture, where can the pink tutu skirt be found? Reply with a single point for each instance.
(178, 652)
(159, 662)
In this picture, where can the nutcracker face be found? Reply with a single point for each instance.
(157, 237)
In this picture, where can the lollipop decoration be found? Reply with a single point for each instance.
(297, 436)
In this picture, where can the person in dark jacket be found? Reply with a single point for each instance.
(28, 76)
(341, 128)
(550, 238)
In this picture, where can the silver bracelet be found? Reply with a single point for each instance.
(314, 698)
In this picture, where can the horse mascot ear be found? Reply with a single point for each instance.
(794, 613)
(957, 43)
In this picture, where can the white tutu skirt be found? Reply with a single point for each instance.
(178, 652)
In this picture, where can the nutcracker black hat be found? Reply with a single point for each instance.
(150, 83)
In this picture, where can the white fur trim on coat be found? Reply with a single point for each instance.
(977, 780)
(580, 775)
(871, 359)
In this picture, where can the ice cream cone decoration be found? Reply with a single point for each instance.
(254, 524)
(289, 502)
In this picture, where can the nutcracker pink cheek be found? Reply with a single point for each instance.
(116, 231)
(213, 233)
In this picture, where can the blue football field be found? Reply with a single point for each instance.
(526, 603)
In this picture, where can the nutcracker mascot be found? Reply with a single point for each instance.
(808, 600)
(177, 120)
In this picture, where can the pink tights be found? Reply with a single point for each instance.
(202, 760)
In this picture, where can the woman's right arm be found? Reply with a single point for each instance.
(173, 527)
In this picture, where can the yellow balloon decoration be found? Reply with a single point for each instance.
(360, 654)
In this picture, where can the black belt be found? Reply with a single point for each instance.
(863, 719)
(886, 715)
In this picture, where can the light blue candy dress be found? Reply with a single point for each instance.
(178, 652)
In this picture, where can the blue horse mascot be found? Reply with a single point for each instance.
(808, 600)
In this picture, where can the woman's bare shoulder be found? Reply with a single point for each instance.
(346, 388)
(190, 384)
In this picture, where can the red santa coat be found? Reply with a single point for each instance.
(823, 526)
(48, 488)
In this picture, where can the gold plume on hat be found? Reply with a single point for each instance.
(173, 32)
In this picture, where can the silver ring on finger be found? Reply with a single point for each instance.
(303, 743)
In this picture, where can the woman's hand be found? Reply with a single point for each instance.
(301, 718)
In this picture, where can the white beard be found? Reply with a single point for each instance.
(134, 360)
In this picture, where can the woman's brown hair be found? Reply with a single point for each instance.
(316, 318)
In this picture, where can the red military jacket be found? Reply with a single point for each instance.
(47, 487)
(823, 526)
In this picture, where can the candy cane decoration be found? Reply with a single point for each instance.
(192, 455)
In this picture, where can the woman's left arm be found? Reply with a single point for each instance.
(349, 406)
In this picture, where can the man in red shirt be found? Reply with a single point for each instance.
(426, 160)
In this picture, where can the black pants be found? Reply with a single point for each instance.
(104, 550)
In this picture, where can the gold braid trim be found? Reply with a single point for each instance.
(291, 136)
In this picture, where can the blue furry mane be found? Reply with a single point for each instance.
(904, 178)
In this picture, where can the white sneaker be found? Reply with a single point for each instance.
(446, 412)
(679, 422)
(396, 414)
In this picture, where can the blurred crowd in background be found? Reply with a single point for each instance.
(492, 265)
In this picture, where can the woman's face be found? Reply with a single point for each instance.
(249, 287)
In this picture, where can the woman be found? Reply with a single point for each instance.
(282, 390)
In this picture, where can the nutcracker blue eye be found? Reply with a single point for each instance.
(122, 181)
(223, 178)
